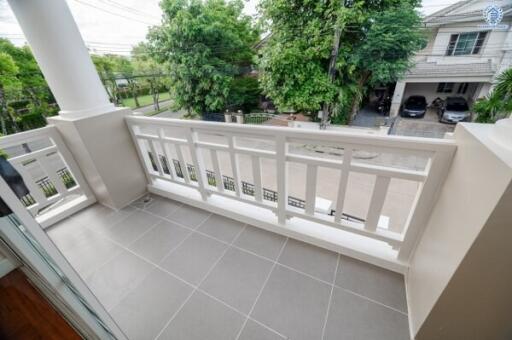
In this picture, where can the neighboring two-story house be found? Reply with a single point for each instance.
(463, 56)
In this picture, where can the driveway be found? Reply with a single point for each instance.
(428, 126)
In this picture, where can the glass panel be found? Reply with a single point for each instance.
(479, 42)
(465, 43)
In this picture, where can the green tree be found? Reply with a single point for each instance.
(10, 86)
(204, 44)
(498, 103)
(377, 41)
(152, 72)
(33, 84)
(106, 68)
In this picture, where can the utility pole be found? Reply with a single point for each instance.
(326, 110)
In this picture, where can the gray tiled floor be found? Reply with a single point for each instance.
(169, 271)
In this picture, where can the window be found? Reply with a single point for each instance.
(463, 87)
(445, 88)
(466, 43)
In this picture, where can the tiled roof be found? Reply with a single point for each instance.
(433, 69)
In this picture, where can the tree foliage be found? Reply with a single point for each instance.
(377, 41)
(204, 43)
(498, 103)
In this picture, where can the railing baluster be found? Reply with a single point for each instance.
(256, 173)
(168, 156)
(34, 189)
(311, 175)
(377, 202)
(282, 172)
(50, 170)
(234, 164)
(156, 157)
(197, 159)
(183, 165)
(342, 186)
(216, 170)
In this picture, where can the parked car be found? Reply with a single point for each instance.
(455, 110)
(414, 106)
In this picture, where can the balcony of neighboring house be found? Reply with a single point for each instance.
(179, 229)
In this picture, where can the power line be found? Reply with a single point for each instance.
(129, 9)
(113, 13)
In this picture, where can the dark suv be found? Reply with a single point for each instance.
(414, 106)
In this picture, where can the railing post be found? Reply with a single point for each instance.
(256, 174)
(282, 173)
(424, 201)
(342, 186)
(311, 174)
(234, 164)
(197, 159)
(377, 202)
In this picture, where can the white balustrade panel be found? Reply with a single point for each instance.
(49, 172)
(206, 156)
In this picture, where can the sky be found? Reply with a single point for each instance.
(113, 26)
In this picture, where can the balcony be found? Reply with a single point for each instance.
(236, 237)
(163, 228)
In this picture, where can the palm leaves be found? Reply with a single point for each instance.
(498, 104)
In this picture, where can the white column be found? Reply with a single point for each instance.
(62, 56)
(94, 129)
(397, 98)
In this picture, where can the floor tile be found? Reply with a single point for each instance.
(162, 206)
(293, 304)
(204, 318)
(254, 331)
(222, 228)
(355, 318)
(237, 279)
(93, 212)
(159, 241)
(106, 222)
(315, 261)
(67, 233)
(189, 216)
(145, 311)
(117, 277)
(129, 229)
(90, 252)
(260, 242)
(194, 258)
(376, 283)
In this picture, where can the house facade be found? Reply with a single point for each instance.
(463, 56)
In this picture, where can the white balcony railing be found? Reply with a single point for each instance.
(56, 184)
(205, 156)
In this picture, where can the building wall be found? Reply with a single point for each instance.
(492, 49)
(449, 278)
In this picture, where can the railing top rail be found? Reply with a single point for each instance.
(349, 138)
(26, 136)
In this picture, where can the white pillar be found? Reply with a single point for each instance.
(94, 129)
(62, 56)
(397, 98)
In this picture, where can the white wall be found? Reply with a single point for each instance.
(492, 49)
(478, 178)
